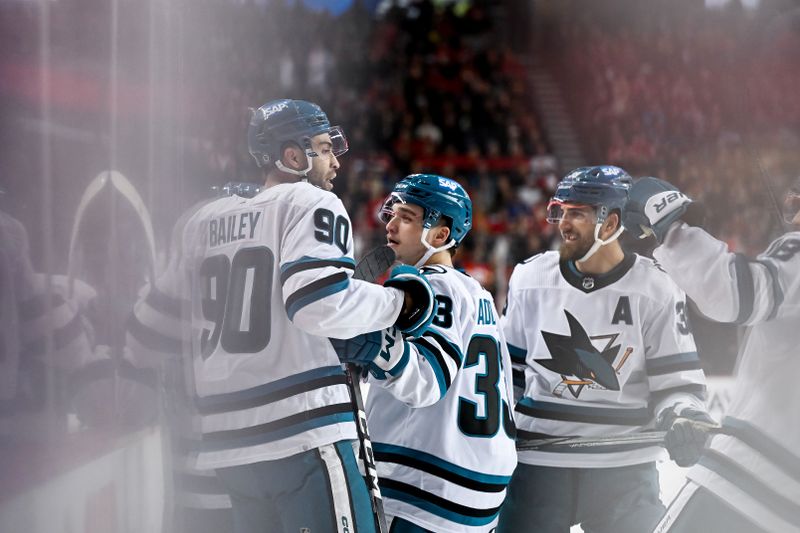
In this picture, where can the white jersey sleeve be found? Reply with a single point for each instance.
(753, 466)
(730, 287)
(434, 358)
(674, 372)
(316, 269)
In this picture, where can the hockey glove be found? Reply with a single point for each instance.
(652, 206)
(420, 308)
(687, 433)
(381, 352)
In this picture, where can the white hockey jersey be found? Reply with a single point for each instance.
(755, 467)
(445, 449)
(33, 308)
(270, 281)
(153, 338)
(602, 355)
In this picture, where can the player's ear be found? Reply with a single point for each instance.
(441, 234)
(292, 156)
(611, 224)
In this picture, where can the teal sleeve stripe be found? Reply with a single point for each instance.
(436, 364)
(309, 263)
(672, 363)
(316, 291)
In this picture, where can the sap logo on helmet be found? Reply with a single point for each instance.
(661, 204)
(274, 108)
(401, 186)
(450, 184)
(612, 171)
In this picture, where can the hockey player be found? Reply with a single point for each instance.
(269, 279)
(606, 349)
(443, 435)
(748, 480)
(154, 340)
(33, 308)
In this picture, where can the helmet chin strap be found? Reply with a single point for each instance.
(430, 250)
(598, 242)
(302, 173)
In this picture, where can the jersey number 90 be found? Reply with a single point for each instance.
(236, 298)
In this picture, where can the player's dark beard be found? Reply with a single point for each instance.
(574, 250)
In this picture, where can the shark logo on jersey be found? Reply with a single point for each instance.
(579, 361)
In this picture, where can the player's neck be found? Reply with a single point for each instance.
(440, 258)
(604, 260)
(277, 177)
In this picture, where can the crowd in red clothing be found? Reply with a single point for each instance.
(705, 98)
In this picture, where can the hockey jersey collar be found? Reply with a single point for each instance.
(592, 282)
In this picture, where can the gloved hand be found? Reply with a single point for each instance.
(652, 206)
(420, 308)
(687, 433)
(381, 352)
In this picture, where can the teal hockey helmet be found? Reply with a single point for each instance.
(439, 197)
(282, 121)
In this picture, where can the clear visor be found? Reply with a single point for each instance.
(557, 208)
(791, 206)
(338, 141)
(386, 212)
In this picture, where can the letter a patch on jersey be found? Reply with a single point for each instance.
(623, 311)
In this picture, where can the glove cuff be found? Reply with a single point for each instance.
(393, 357)
(416, 320)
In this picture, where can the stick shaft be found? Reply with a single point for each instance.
(556, 444)
(370, 268)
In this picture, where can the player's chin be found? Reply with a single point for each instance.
(570, 250)
(327, 184)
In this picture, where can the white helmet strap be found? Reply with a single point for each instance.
(598, 242)
(302, 173)
(430, 250)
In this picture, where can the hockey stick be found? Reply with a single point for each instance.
(369, 268)
(604, 443)
(566, 444)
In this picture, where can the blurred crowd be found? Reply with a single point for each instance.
(704, 97)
